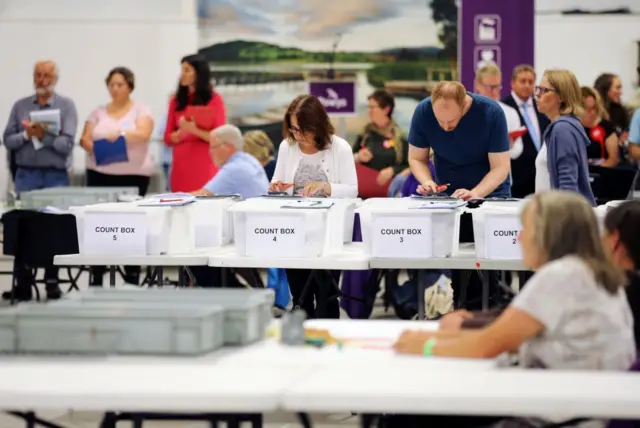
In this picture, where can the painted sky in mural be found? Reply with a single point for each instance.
(312, 25)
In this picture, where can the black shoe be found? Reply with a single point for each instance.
(21, 295)
(53, 292)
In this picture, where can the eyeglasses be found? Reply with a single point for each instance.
(493, 87)
(295, 130)
(542, 90)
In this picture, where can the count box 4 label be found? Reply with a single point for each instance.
(502, 237)
(403, 237)
(275, 235)
(114, 233)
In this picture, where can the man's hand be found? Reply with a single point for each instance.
(453, 320)
(384, 176)
(364, 155)
(466, 195)
(202, 192)
(428, 187)
(279, 186)
(35, 130)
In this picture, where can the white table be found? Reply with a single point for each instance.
(439, 388)
(199, 258)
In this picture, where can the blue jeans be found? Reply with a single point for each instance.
(39, 178)
(166, 168)
(395, 188)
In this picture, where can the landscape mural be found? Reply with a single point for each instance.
(263, 54)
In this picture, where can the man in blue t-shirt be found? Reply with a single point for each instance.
(468, 135)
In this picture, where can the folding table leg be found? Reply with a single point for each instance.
(112, 275)
(305, 420)
(484, 277)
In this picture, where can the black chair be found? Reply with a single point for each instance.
(34, 238)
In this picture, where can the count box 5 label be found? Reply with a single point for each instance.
(115, 233)
(502, 237)
(404, 237)
(275, 235)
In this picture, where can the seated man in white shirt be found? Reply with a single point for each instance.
(489, 84)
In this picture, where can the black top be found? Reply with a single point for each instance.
(270, 169)
(384, 150)
(633, 295)
(619, 117)
(598, 135)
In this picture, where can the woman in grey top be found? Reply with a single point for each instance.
(572, 314)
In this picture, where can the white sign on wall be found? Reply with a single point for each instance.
(402, 237)
(502, 237)
(113, 233)
(275, 235)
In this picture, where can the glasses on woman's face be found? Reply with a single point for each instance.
(295, 130)
(541, 90)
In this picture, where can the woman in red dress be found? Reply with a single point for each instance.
(194, 111)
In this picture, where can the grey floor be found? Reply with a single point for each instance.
(73, 419)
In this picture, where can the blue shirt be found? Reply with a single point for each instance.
(634, 128)
(167, 152)
(462, 155)
(241, 174)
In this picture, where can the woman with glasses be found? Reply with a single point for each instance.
(312, 161)
(562, 162)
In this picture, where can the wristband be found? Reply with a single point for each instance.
(428, 347)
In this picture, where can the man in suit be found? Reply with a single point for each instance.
(523, 168)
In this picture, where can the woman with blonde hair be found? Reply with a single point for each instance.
(604, 149)
(573, 313)
(259, 145)
(562, 161)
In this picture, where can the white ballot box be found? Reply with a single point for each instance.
(496, 230)
(410, 228)
(132, 230)
(213, 222)
(290, 227)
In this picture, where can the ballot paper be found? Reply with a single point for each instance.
(169, 201)
(439, 205)
(50, 121)
(306, 204)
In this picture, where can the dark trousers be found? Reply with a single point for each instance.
(98, 179)
(27, 179)
(298, 279)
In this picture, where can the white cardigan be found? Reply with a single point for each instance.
(339, 166)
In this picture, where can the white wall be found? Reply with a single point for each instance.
(590, 45)
(87, 38)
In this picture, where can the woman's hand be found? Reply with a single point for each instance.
(384, 176)
(412, 342)
(279, 186)
(316, 188)
(175, 137)
(188, 125)
(87, 145)
(364, 155)
(453, 320)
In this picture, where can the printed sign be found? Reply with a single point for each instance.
(114, 233)
(337, 97)
(405, 237)
(502, 237)
(275, 235)
(503, 33)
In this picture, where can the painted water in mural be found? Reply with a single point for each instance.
(263, 53)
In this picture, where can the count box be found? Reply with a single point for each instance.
(496, 231)
(263, 229)
(397, 228)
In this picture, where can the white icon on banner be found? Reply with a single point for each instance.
(486, 55)
(488, 29)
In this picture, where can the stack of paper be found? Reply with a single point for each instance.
(306, 204)
(50, 122)
(176, 201)
(432, 205)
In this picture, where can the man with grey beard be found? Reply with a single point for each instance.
(39, 154)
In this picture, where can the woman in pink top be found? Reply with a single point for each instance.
(132, 120)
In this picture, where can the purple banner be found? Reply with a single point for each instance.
(498, 31)
(337, 97)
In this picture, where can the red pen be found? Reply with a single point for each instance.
(170, 200)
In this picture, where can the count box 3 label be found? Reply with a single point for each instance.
(275, 235)
(502, 237)
(403, 237)
(115, 233)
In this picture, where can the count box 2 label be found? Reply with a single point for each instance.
(404, 237)
(115, 233)
(502, 237)
(275, 235)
